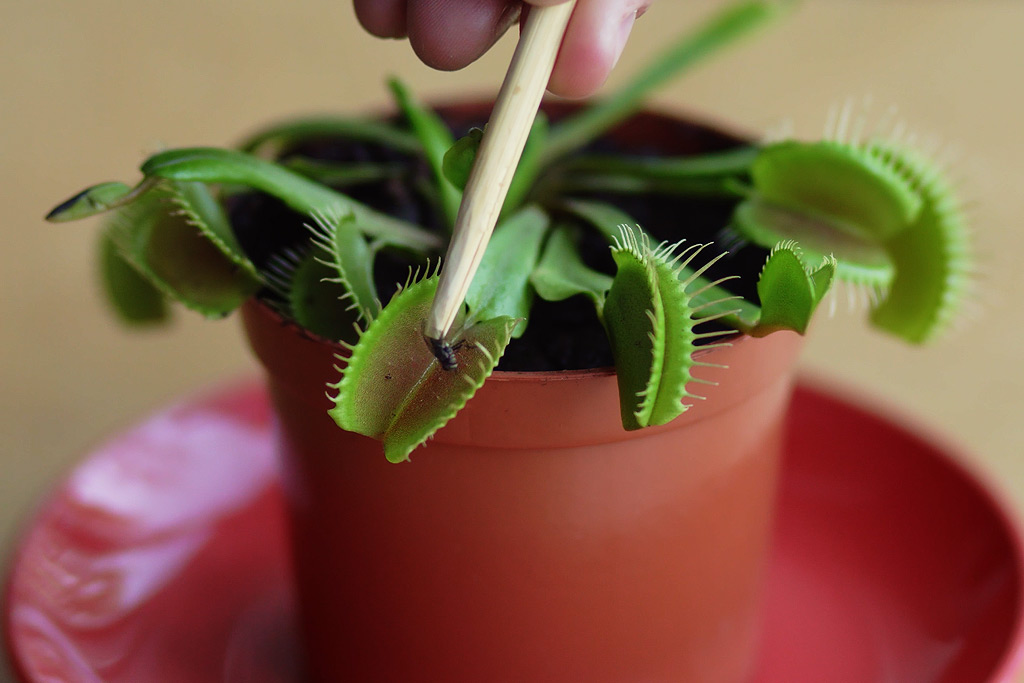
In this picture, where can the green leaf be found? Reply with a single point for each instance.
(320, 303)
(211, 165)
(634, 317)
(561, 273)
(932, 256)
(91, 201)
(859, 260)
(650, 325)
(458, 160)
(435, 139)
(822, 278)
(133, 298)
(789, 293)
(717, 174)
(287, 133)
(833, 199)
(852, 188)
(200, 209)
(530, 164)
(501, 285)
(607, 218)
(350, 261)
(735, 21)
(393, 389)
(156, 237)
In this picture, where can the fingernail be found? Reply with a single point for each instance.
(621, 35)
(509, 16)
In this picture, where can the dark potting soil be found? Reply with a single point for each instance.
(564, 335)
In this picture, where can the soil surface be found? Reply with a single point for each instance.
(561, 336)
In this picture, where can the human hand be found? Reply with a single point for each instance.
(449, 34)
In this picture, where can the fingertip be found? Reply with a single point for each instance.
(450, 34)
(593, 43)
(382, 18)
(579, 73)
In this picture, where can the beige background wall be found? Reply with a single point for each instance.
(86, 89)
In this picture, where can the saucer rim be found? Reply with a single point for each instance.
(947, 450)
(956, 457)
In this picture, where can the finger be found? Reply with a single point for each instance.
(382, 18)
(449, 34)
(593, 42)
(548, 3)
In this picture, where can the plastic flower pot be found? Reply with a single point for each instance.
(533, 538)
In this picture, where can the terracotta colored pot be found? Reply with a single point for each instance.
(533, 539)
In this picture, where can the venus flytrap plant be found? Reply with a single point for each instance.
(797, 217)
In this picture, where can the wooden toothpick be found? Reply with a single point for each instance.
(496, 161)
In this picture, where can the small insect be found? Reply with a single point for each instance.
(445, 352)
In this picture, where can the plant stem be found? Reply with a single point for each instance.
(364, 130)
(435, 139)
(732, 162)
(211, 165)
(628, 184)
(734, 22)
(343, 174)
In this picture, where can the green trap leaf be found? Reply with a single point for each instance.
(393, 389)
(832, 199)
(195, 203)
(162, 241)
(789, 293)
(320, 303)
(932, 256)
(854, 189)
(650, 325)
(708, 299)
(91, 201)
(859, 260)
(133, 298)
(350, 260)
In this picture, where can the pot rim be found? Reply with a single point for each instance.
(511, 376)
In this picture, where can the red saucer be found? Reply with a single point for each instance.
(162, 558)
